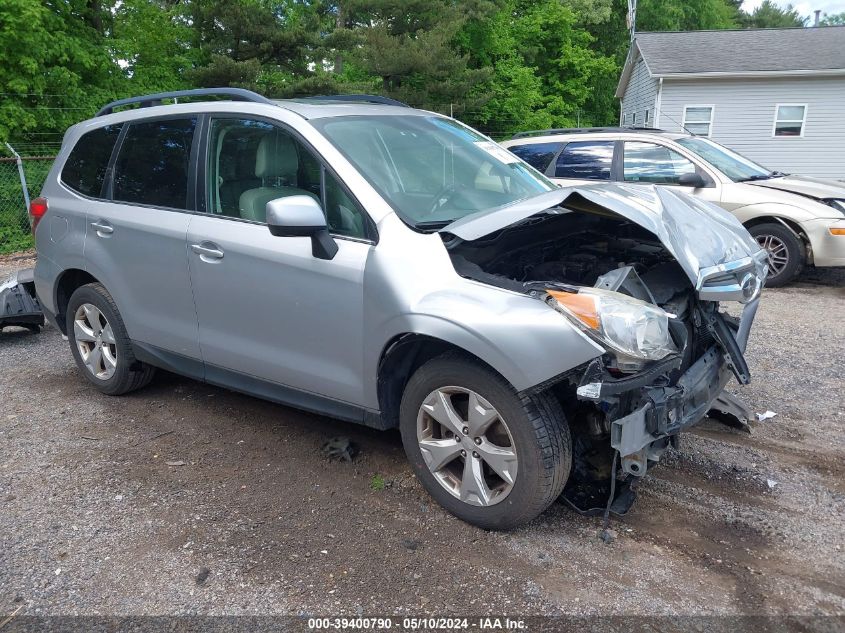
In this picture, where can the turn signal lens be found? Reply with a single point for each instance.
(581, 306)
(834, 231)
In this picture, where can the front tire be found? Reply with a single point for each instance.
(490, 457)
(100, 345)
(786, 252)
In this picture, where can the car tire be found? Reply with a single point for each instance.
(530, 427)
(100, 345)
(781, 243)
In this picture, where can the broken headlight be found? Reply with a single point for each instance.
(631, 327)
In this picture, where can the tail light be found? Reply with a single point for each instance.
(37, 209)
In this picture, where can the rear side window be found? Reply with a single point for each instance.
(538, 155)
(85, 169)
(152, 166)
(585, 160)
(652, 163)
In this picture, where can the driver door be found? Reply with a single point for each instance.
(271, 315)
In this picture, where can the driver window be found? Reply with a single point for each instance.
(252, 162)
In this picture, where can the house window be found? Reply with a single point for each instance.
(789, 119)
(698, 119)
(634, 121)
(647, 118)
(624, 119)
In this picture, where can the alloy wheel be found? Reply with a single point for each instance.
(467, 446)
(777, 253)
(95, 341)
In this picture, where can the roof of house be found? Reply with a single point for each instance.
(746, 52)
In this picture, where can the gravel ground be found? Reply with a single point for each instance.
(97, 518)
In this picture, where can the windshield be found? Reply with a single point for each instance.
(733, 165)
(430, 169)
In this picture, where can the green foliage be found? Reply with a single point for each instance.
(154, 43)
(833, 19)
(503, 65)
(15, 233)
(543, 67)
(377, 483)
(683, 15)
(769, 15)
(55, 64)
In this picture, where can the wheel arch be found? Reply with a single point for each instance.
(790, 224)
(66, 285)
(400, 358)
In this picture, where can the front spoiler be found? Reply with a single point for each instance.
(643, 434)
(18, 304)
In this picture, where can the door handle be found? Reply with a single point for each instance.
(207, 251)
(102, 228)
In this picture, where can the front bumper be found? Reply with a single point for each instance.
(664, 410)
(642, 435)
(828, 249)
(18, 304)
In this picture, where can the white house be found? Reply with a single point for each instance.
(774, 95)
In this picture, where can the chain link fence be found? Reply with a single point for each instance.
(15, 232)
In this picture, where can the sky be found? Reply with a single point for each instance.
(804, 7)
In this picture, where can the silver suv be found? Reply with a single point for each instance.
(394, 268)
(798, 220)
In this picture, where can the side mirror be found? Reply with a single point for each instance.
(692, 179)
(301, 216)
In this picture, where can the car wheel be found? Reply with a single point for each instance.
(785, 249)
(489, 456)
(100, 344)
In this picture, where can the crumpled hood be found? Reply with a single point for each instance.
(698, 234)
(805, 186)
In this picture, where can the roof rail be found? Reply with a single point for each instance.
(584, 130)
(236, 94)
(358, 99)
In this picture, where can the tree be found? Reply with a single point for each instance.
(682, 15)
(55, 66)
(238, 41)
(152, 43)
(544, 67)
(834, 19)
(409, 48)
(769, 15)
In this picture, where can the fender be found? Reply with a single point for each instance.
(520, 337)
(775, 210)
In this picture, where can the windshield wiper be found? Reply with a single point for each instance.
(771, 174)
(433, 225)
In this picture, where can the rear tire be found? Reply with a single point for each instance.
(787, 253)
(100, 345)
(528, 440)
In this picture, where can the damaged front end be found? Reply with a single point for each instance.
(642, 272)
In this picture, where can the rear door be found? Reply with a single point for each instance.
(135, 242)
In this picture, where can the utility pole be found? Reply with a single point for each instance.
(632, 18)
